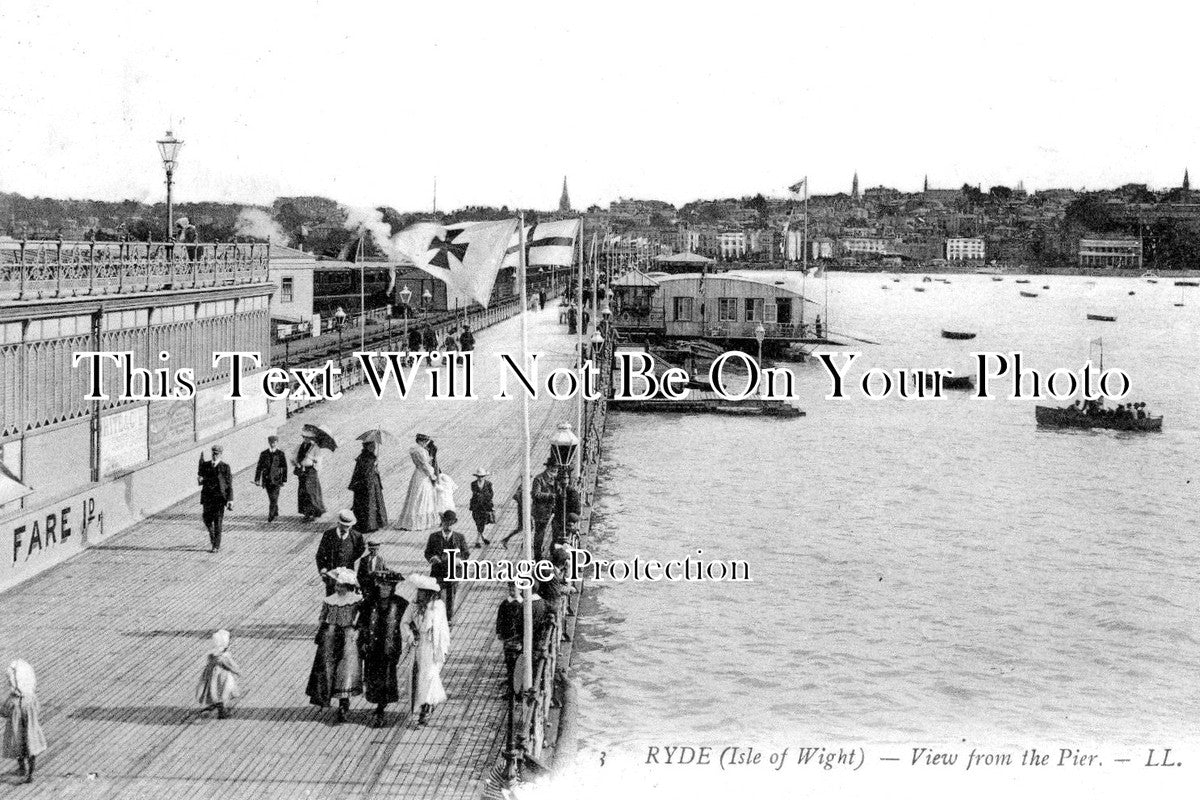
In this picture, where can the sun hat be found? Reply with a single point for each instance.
(342, 575)
(480, 473)
(424, 582)
(346, 517)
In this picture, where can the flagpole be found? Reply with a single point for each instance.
(582, 359)
(526, 490)
(804, 260)
(362, 295)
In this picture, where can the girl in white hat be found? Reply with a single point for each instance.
(23, 737)
(218, 687)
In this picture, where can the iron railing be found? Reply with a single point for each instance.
(35, 270)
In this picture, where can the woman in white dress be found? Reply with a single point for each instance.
(424, 626)
(420, 506)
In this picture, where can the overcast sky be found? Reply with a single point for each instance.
(367, 102)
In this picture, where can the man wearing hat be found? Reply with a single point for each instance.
(370, 564)
(466, 342)
(216, 493)
(544, 497)
(271, 474)
(482, 510)
(340, 547)
(440, 542)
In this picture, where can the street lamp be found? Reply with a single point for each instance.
(760, 333)
(168, 148)
(405, 296)
(426, 301)
(563, 444)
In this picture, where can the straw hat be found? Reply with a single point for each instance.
(480, 473)
(343, 576)
(346, 517)
(424, 582)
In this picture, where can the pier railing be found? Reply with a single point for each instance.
(35, 270)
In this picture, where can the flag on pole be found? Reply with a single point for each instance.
(553, 244)
(798, 187)
(512, 257)
(466, 256)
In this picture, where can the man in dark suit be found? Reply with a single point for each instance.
(435, 553)
(271, 474)
(340, 547)
(371, 563)
(216, 494)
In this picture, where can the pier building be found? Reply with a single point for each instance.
(79, 470)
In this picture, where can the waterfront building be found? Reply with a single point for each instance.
(862, 245)
(1115, 253)
(93, 467)
(964, 248)
(726, 306)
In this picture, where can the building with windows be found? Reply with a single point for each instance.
(1115, 253)
(78, 470)
(964, 248)
(291, 271)
(862, 245)
(732, 244)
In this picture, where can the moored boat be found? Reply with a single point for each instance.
(918, 288)
(997, 278)
(957, 334)
(1102, 317)
(1052, 417)
(1021, 280)
(1186, 283)
(1029, 294)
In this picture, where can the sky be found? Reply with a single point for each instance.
(369, 102)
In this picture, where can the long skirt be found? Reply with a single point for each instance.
(426, 679)
(336, 670)
(217, 685)
(368, 507)
(23, 735)
(420, 507)
(309, 494)
(443, 494)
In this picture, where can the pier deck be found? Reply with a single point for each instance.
(118, 635)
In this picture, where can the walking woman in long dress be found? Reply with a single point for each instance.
(420, 506)
(424, 626)
(337, 668)
(308, 467)
(23, 737)
(368, 492)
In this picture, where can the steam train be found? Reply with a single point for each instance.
(340, 287)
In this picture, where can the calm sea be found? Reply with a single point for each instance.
(935, 570)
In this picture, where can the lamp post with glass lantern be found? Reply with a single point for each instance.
(405, 296)
(760, 333)
(168, 148)
(562, 450)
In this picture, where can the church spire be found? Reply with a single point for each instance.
(564, 202)
(1187, 184)
(925, 188)
(854, 187)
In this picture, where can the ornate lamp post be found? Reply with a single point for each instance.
(405, 296)
(562, 449)
(168, 148)
(426, 301)
(760, 333)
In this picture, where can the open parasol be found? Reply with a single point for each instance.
(323, 438)
(378, 436)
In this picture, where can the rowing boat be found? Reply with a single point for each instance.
(1051, 417)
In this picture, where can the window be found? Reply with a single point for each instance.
(683, 309)
(754, 309)
(288, 290)
(727, 309)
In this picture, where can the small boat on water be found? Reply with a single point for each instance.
(1102, 317)
(1187, 283)
(1052, 417)
(997, 278)
(1180, 303)
(1021, 280)
(1151, 280)
(918, 288)
(1047, 286)
(957, 334)
(895, 280)
(1029, 294)
(1132, 292)
(927, 279)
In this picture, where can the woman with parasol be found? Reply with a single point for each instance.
(308, 468)
(367, 486)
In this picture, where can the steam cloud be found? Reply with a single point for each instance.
(258, 223)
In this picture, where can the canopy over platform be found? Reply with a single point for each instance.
(685, 258)
(634, 278)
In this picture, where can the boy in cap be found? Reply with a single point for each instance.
(340, 547)
(482, 510)
(371, 564)
(271, 474)
(216, 494)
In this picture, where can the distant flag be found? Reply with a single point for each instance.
(466, 255)
(798, 187)
(1097, 341)
(553, 244)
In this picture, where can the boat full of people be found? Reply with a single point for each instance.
(1089, 414)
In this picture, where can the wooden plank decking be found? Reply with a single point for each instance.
(119, 633)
